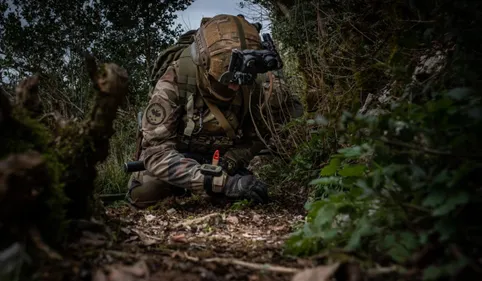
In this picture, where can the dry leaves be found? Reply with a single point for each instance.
(119, 272)
(232, 220)
(146, 239)
(180, 238)
(320, 273)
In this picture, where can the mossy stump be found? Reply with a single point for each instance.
(47, 171)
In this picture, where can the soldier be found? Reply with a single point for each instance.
(191, 114)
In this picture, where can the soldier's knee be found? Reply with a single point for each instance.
(146, 193)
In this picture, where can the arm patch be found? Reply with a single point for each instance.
(155, 114)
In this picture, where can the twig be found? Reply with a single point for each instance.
(373, 272)
(255, 266)
(196, 220)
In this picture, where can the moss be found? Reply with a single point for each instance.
(23, 134)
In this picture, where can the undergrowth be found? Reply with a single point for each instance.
(409, 183)
(389, 148)
(111, 177)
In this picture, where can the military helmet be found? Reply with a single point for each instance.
(215, 39)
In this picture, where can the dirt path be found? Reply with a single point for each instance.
(188, 239)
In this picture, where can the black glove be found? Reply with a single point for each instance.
(246, 187)
(229, 165)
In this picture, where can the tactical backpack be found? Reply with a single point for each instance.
(178, 50)
(168, 56)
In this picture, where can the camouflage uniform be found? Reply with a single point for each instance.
(171, 156)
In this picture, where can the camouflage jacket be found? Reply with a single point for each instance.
(164, 120)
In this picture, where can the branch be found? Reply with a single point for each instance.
(27, 95)
(5, 106)
(255, 266)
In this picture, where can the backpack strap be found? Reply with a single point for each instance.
(221, 119)
(186, 78)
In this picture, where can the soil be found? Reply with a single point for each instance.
(183, 239)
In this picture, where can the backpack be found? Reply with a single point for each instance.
(169, 55)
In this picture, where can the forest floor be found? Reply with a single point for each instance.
(184, 239)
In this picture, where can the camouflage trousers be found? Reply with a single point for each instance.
(145, 190)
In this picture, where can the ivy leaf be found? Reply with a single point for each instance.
(399, 253)
(434, 198)
(352, 171)
(364, 228)
(451, 203)
(351, 152)
(325, 215)
(409, 240)
(326, 180)
(331, 168)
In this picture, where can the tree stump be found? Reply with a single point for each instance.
(47, 176)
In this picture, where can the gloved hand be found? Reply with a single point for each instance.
(246, 187)
(233, 160)
(229, 165)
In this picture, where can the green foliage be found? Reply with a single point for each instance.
(401, 182)
(410, 181)
(111, 177)
(50, 37)
(303, 161)
(240, 205)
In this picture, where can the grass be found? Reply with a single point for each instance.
(111, 177)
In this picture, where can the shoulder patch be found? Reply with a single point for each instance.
(155, 114)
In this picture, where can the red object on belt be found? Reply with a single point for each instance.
(215, 158)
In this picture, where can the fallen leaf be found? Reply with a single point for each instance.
(232, 220)
(196, 221)
(171, 211)
(257, 218)
(179, 238)
(136, 272)
(149, 217)
(319, 273)
(278, 228)
(125, 230)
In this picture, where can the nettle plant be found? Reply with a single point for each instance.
(408, 189)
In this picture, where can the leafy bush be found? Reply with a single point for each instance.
(407, 189)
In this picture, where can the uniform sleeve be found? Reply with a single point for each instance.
(160, 121)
